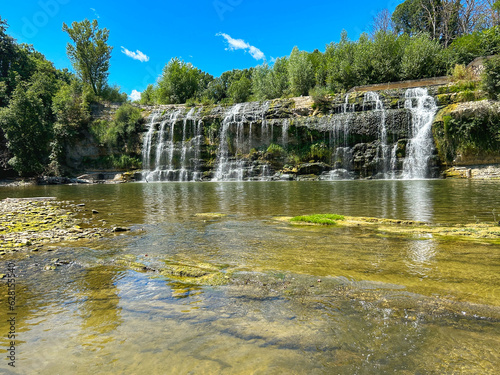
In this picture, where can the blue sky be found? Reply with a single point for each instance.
(214, 35)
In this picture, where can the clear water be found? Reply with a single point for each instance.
(312, 300)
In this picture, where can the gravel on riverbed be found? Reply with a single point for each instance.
(31, 223)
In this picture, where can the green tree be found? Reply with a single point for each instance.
(422, 58)
(179, 82)
(240, 90)
(90, 53)
(341, 64)
(409, 18)
(27, 130)
(7, 50)
(383, 57)
(216, 90)
(300, 72)
(148, 96)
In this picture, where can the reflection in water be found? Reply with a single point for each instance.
(420, 254)
(419, 200)
(98, 307)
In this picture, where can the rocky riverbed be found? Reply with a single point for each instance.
(32, 223)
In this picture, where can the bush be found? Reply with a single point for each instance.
(321, 98)
(122, 132)
(319, 151)
(491, 77)
(275, 150)
(462, 73)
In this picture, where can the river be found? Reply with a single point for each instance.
(296, 299)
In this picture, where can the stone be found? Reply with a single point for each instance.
(120, 229)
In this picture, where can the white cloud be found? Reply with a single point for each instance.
(137, 55)
(95, 13)
(135, 95)
(235, 44)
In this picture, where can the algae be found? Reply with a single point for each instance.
(481, 231)
(198, 273)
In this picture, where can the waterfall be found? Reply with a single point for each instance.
(383, 153)
(363, 134)
(339, 141)
(173, 161)
(284, 133)
(146, 146)
(226, 169)
(421, 145)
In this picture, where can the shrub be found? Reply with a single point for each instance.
(491, 77)
(462, 73)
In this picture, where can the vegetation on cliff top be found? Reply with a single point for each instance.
(421, 39)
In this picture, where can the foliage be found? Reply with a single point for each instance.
(271, 82)
(148, 96)
(319, 151)
(275, 150)
(321, 98)
(122, 131)
(27, 130)
(115, 161)
(491, 77)
(462, 73)
(480, 43)
(422, 58)
(90, 53)
(112, 94)
(239, 91)
(300, 72)
(457, 134)
(180, 81)
(323, 219)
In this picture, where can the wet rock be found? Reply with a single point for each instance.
(120, 229)
(312, 168)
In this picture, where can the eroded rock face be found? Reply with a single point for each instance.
(360, 135)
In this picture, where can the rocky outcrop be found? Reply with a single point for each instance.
(468, 134)
(358, 135)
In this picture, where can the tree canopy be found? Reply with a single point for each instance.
(90, 53)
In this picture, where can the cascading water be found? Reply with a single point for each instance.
(146, 146)
(227, 169)
(420, 147)
(361, 137)
(339, 139)
(171, 162)
(387, 159)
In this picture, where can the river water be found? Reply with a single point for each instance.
(298, 299)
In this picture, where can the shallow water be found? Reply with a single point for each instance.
(299, 299)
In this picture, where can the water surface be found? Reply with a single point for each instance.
(301, 299)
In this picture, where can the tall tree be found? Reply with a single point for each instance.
(382, 22)
(90, 53)
(180, 81)
(300, 72)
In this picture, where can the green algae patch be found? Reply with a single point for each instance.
(196, 273)
(480, 231)
(321, 219)
(33, 222)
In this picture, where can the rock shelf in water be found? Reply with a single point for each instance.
(34, 222)
(404, 227)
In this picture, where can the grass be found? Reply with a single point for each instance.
(323, 219)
